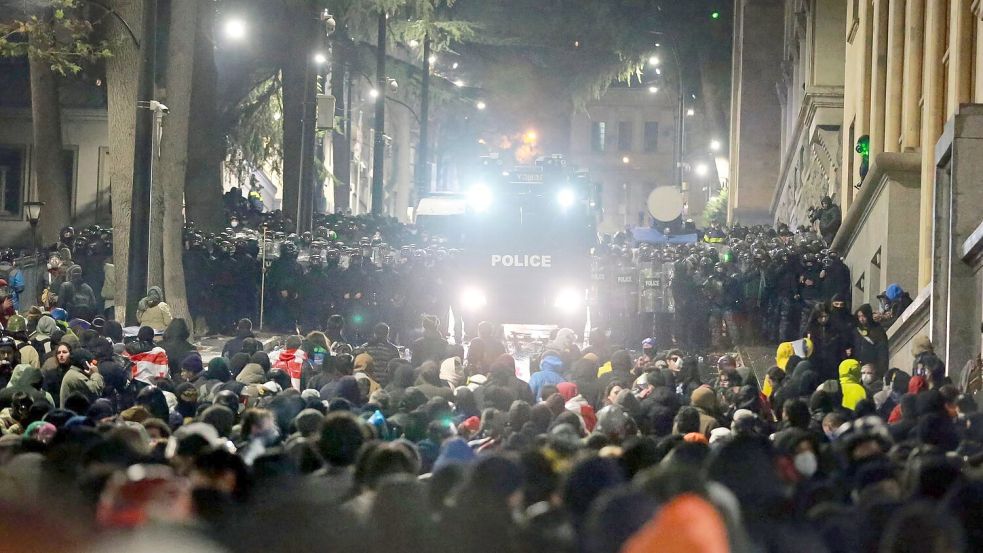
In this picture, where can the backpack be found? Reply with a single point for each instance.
(317, 358)
(76, 296)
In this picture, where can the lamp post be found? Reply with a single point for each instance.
(33, 212)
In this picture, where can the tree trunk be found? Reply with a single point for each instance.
(206, 147)
(341, 154)
(52, 183)
(298, 83)
(122, 82)
(379, 131)
(155, 239)
(173, 164)
(423, 150)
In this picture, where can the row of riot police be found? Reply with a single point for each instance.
(749, 285)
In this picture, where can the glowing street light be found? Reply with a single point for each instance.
(530, 136)
(715, 145)
(458, 83)
(702, 169)
(653, 89)
(414, 43)
(481, 105)
(454, 65)
(374, 93)
(690, 112)
(626, 160)
(320, 58)
(235, 29)
(432, 59)
(654, 61)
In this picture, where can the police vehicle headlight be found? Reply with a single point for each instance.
(566, 198)
(569, 300)
(473, 298)
(480, 197)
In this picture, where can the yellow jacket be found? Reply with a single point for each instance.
(850, 385)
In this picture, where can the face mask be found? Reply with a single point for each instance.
(867, 378)
(806, 463)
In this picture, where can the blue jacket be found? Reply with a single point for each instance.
(548, 375)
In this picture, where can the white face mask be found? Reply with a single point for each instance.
(867, 378)
(806, 463)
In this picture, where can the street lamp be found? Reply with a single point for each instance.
(653, 89)
(481, 105)
(654, 61)
(702, 169)
(626, 160)
(320, 58)
(714, 145)
(235, 29)
(458, 83)
(33, 212)
(374, 93)
(432, 60)
(690, 112)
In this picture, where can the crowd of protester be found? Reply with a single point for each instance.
(320, 442)
(353, 437)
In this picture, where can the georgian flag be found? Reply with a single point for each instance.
(149, 365)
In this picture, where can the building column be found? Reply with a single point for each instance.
(911, 92)
(977, 9)
(960, 82)
(895, 75)
(933, 106)
(878, 74)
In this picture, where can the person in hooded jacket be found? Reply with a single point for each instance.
(565, 344)
(829, 346)
(550, 367)
(853, 391)
(176, 344)
(143, 343)
(502, 373)
(870, 340)
(430, 384)
(152, 311)
(41, 339)
(28, 380)
(293, 360)
(705, 401)
(431, 346)
(77, 297)
(244, 329)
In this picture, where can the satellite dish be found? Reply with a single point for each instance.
(665, 203)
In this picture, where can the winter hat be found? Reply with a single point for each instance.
(218, 369)
(308, 422)
(551, 362)
(921, 344)
(192, 363)
(696, 438)
(719, 434)
(192, 438)
(145, 334)
(46, 326)
(454, 452)
(648, 343)
(471, 424)
(310, 393)
(58, 417)
(40, 431)
(686, 524)
(567, 390)
(893, 292)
